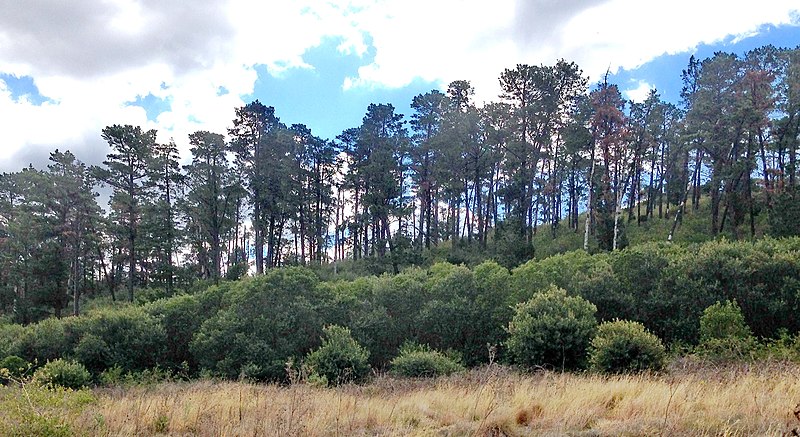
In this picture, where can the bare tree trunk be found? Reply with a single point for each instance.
(589, 206)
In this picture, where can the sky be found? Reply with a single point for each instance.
(68, 69)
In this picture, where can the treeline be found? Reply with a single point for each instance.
(256, 326)
(489, 177)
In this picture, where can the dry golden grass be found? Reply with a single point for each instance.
(492, 401)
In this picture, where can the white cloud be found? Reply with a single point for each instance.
(639, 93)
(93, 57)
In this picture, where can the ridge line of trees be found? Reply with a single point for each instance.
(453, 173)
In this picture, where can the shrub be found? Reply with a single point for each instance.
(14, 365)
(48, 340)
(551, 329)
(265, 321)
(723, 321)
(625, 346)
(181, 316)
(93, 352)
(134, 340)
(9, 335)
(417, 361)
(62, 373)
(724, 335)
(340, 359)
(387, 312)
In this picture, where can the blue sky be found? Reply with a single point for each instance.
(67, 69)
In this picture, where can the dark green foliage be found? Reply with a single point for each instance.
(784, 217)
(340, 359)
(509, 247)
(492, 310)
(63, 373)
(420, 361)
(129, 338)
(181, 316)
(93, 352)
(624, 346)
(16, 367)
(266, 321)
(551, 330)
(48, 340)
(386, 312)
(446, 320)
(9, 334)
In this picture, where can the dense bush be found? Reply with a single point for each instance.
(181, 316)
(340, 359)
(420, 361)
(387, 312)
(724, 335)
(62, 373)
(551, 330)
(447, 319)
(265, 322)
(14, 365)
(93, 352)
(48, 340)
(723, 321)
(9, 335)
(129, 338)
(625, 346)
(259, 324)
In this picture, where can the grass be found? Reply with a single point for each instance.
(689, 399)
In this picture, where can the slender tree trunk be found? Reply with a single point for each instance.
(589, 206)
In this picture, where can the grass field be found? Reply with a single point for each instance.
(689, 399)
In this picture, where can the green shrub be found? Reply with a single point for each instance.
(417, 361)
(265, 321)
(181, 316)
(93, 352)
(15, 366)
(723, 321)
(551, 330)
(387, 312)
(724, 335)
(63, 373)
(49, 339)
(127, 337)
(340, 359)
(625, 346)
(9, 335)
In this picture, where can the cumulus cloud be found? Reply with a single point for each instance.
(639, 93)
(91, 59)
(628, 33)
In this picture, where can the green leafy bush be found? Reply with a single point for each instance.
(551, 330)
(724, 335)
(181, 316)
(134, 339)
(265, 321)
(625, 346)
(416, 361)
(9, 335)
(49, 339)
(387, 312)
(93, 352)
(723, 321)
(63, 373)
(13, 366)
(340, 359)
